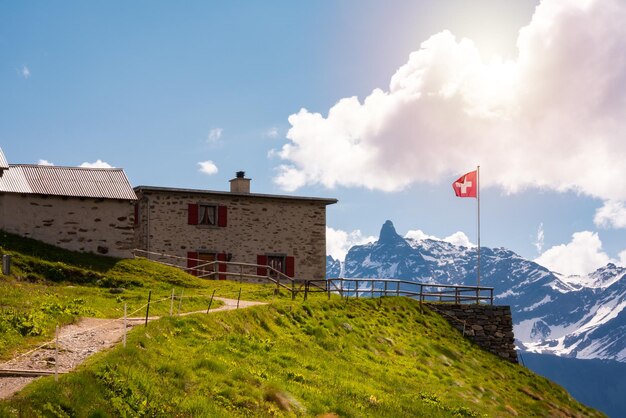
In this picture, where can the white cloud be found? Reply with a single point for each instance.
(44, 162)
(25, 72)
(622, 258)
(207, 167)
(551, 118)
(215, 134)
(338, 242)
(612, 214)
(540, 238)
(271, 133)
(419, 235)
(581, 256)
(97, 164)
(458, 238)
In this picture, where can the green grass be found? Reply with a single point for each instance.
(50, 286)
(379, 358)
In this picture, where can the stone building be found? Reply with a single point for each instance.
(79, 209)
(200, 226)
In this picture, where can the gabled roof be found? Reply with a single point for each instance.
(3, 161)
(323, 200)
(104, 183)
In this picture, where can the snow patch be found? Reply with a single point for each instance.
(546, 299)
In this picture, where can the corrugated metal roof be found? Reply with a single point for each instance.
(106, 183)
(3, 161)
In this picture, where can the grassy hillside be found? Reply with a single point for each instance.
(380, 358)
(50, 286)
(357, 358)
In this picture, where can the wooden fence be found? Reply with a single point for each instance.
(424, 292)
(227, 270)
(346, 287)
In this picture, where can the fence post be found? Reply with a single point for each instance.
(306, 289)
(124, 339)
(172, 303)
(238, 298)
(56, 354)
(373, 286)
(6, 264)
(386, 283)
(397, 288)
(148, 308)
(356, 288)
(180, 302)
(328, 287)
(210, 302)
(341, 289)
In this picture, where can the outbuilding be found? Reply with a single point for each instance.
(76, 208)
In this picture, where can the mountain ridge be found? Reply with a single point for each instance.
(572, 316)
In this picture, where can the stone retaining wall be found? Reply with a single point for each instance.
(491, 327)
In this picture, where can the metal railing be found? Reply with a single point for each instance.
(424, 292)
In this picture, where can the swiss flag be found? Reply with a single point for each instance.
(466, 185)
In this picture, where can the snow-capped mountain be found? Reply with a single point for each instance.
(588, 321)
(333, 267)
(582, 317)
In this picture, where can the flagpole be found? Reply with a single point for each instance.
(478, 222)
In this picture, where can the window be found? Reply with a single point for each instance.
(281, 263)
(277, 262)
(207, 214)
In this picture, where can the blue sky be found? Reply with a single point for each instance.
(159, 87)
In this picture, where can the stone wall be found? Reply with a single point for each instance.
(491, 327)
(256, 225)
(101, 226)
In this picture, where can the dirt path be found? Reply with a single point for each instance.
(79, 341)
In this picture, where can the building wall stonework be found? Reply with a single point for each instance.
(101, 226)
(256, 225)
(491, 327)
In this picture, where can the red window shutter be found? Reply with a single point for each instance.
(222, 216)
(192, 214)
(290, 266)
(192, 261)
(261, 260)
(136, 221)
(222, 267)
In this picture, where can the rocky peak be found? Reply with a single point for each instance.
(389, 236)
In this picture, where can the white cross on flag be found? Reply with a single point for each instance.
(466, 185)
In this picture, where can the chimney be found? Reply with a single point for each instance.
(240, 184)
